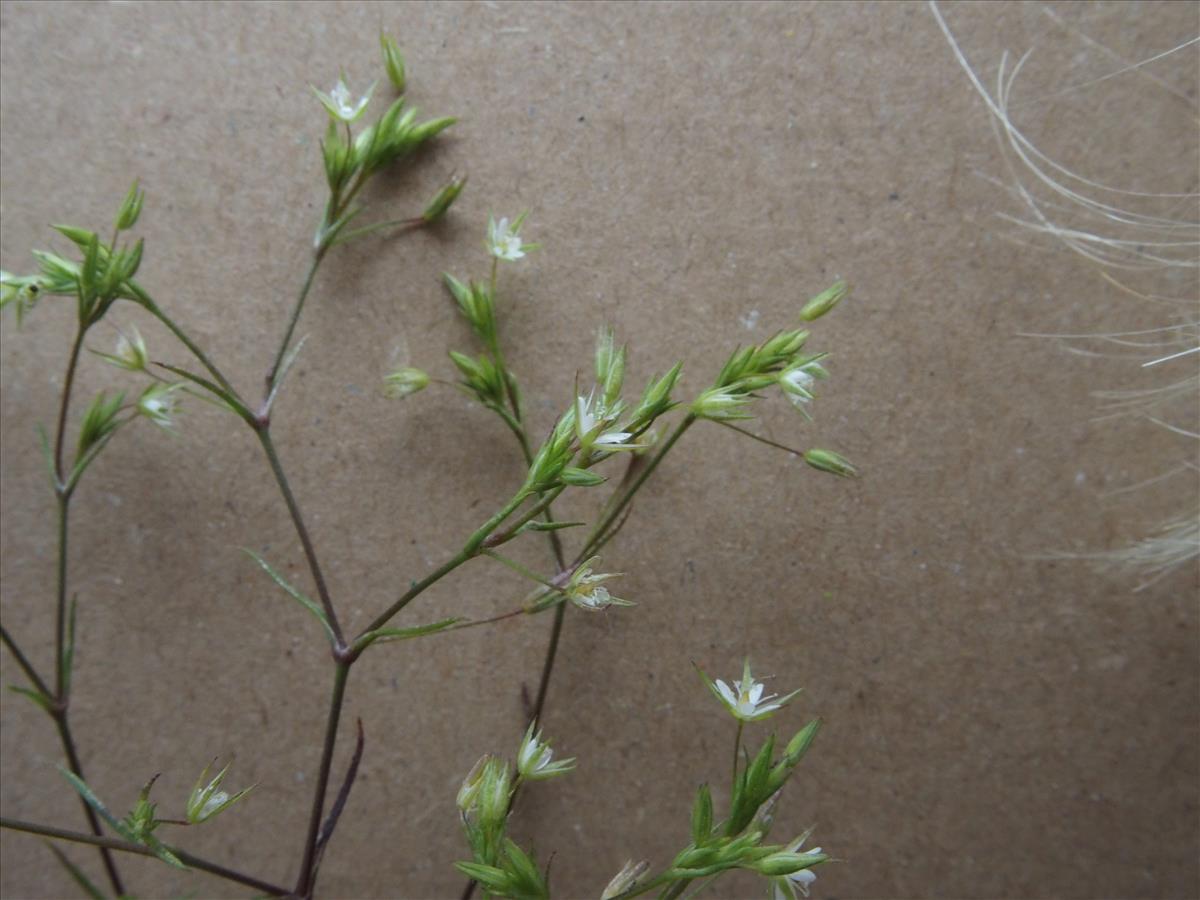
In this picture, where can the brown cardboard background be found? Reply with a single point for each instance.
(997, 725)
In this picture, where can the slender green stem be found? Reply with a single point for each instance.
(518, 568)
(60, 433)
(24, 663)
(534, 511)
(107, 843)
(737, 746)
(63, 495)
(345, 236)
(318, 255)
(619, 506)
(305, 882)
(60, 630)
(264, 437)
(470, 549)
(759, 438)
(153, 308)
(68, 743)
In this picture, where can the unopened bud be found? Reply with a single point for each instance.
(393, 61)
(625, 879)
(823, 302)
(445, 199)
(404, 382)
(828, 461)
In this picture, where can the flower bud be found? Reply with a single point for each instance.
(393, 62)
(445, 198)
(469, 792)
(625, 879)
(493, 796)
(404, 382)
(823, 302)
(131, 208)
(828, 461)
(581, 477)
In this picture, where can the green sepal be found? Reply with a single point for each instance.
(525, 879)
(131, 208)
(495, 880)
(76, 873)
(702, 816)
(295, 594)
(80, 237)
(581, 477)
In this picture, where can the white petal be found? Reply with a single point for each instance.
(726, 693)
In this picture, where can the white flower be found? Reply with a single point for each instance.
(587, 591)
(339, 103)
(784, 887)
(591, 420)
(797, 383)
(745, 699)
(534, 758)
(130, 352)
(504, 241)
(158, 404)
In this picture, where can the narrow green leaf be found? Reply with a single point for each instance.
(94, 802)
(702, 815)
(227, 398)
(304, 601)
(36, 696)
(384, 635)
(284, 368)
(161, 851)
(76, 873)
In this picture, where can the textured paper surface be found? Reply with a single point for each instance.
(997, 724)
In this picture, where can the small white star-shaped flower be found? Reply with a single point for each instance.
(504, 238)
(745, 699)
(534, 758)
(341, 105)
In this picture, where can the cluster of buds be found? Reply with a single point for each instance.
(477, 306)
(499, 865)
(779, 360)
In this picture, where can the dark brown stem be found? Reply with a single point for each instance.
(304, 884)
(68, 743)
(24, 663)
(107, 843)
